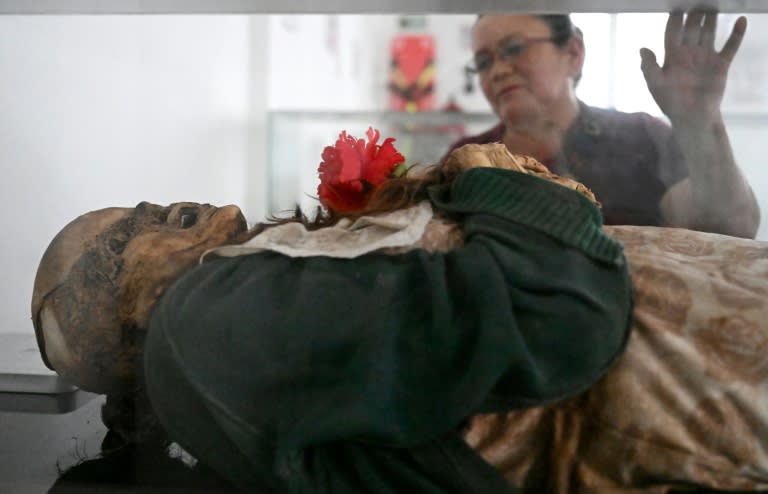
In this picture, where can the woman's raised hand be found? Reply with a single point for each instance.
(689, 86)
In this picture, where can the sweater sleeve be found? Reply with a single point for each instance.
(394, 350)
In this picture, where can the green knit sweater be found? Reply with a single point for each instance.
(326, 375)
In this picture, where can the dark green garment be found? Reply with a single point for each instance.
(320, 374)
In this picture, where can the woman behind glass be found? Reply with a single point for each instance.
(643, 171)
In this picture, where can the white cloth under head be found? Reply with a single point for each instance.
(346, 239)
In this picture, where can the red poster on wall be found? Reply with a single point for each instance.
(412, 73)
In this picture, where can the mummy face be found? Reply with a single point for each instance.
(102, 274)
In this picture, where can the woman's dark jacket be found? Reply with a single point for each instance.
(629, 161)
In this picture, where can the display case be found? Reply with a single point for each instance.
(115, 102)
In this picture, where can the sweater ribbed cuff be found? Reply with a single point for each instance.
(526, 199)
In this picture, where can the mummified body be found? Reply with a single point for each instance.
(684, 406)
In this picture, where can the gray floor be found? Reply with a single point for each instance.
(48, 426)
(34, 447)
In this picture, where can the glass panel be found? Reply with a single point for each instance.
(232, 102)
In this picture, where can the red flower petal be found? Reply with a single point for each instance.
(342, 198)
(330, 167)
(371, 148)
(350, 169)
(381, 167)
(351, 163)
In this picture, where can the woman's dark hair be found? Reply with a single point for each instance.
(562, 29)
(561, 26)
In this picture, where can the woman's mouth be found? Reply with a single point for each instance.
(508, 90)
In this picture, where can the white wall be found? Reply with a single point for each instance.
(112, 110)
(320, 62)
(341, 62)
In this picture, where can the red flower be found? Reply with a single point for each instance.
(352, 168)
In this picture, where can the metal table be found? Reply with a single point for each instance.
(27, 385)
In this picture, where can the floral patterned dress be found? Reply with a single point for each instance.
(687, 405)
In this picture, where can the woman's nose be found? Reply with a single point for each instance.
(501, 69)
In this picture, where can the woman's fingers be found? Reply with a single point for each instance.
(698, 29)
(734, 40)
(650, 68)
(673, 32)
(708, 30)
(692, 28)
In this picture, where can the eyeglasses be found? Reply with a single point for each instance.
(508, 51)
